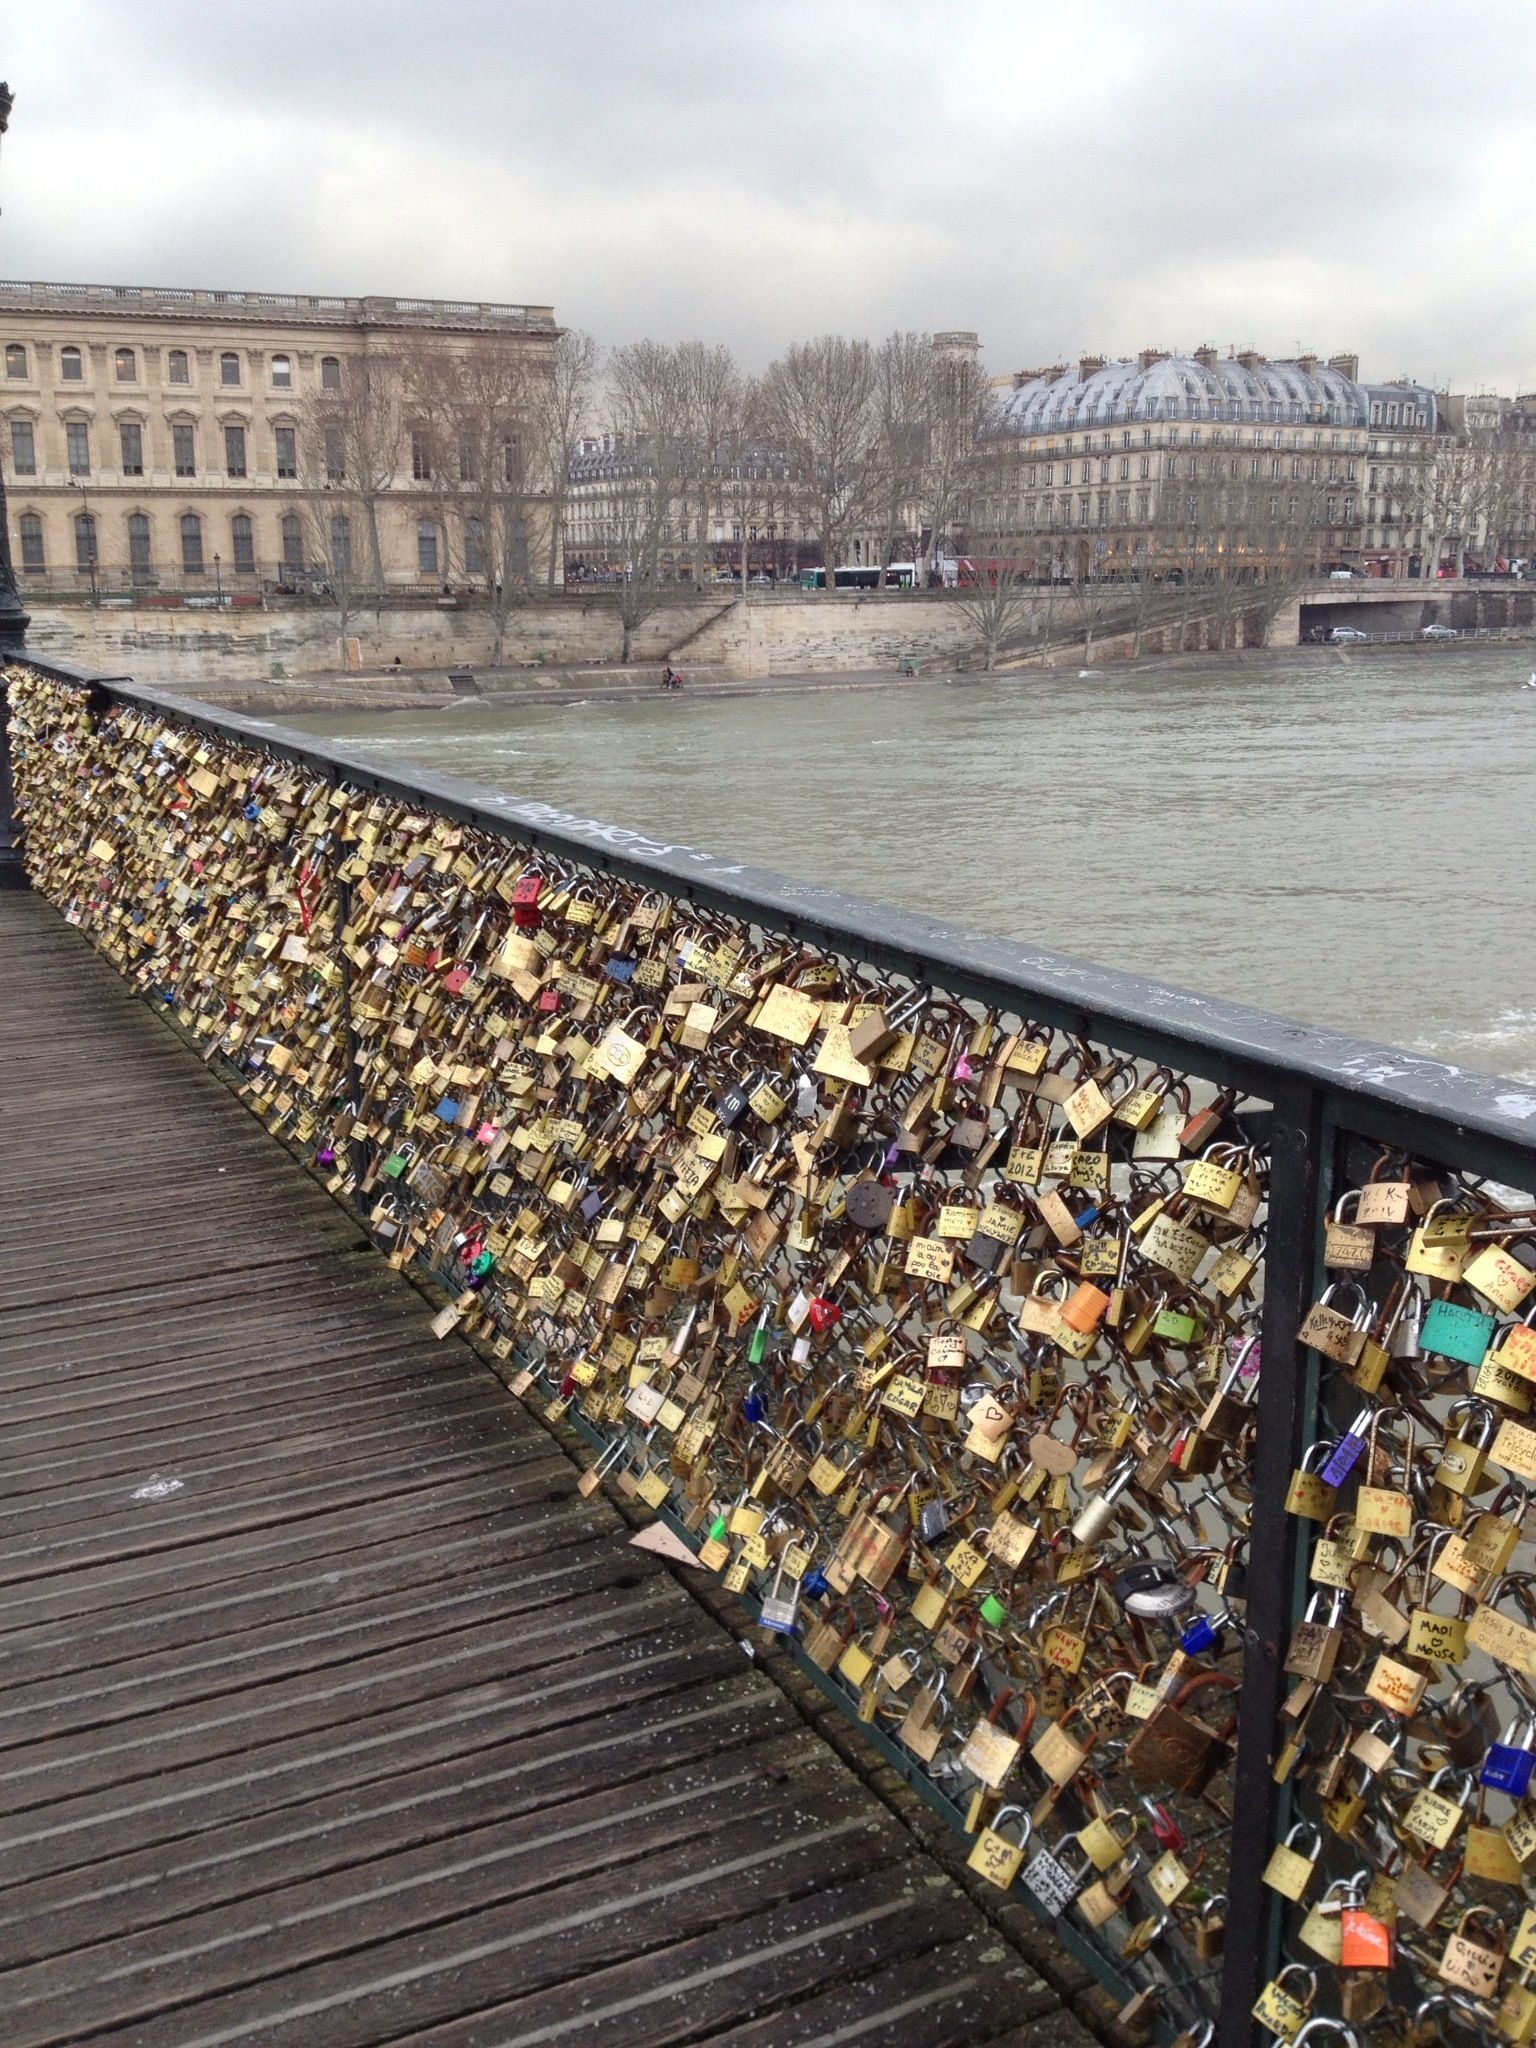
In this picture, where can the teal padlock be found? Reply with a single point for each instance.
(1451, 1331)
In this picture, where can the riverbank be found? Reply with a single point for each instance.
(396, 690)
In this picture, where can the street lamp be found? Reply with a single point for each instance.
(13, 618)
(90, 535)
(218, 584)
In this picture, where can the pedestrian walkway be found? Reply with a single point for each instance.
(331, 1715)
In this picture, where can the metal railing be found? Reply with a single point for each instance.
(961, 1304)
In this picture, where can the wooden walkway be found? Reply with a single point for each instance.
(330, 1714)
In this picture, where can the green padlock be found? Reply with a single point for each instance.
(1175, 1326)
(1451, 1331)
(395, 1165)
(757, 1348)
(993, 1612)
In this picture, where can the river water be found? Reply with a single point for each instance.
(1351, 846)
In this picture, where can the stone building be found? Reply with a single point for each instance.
(719, 502)
(155, 439)
(1189, 463)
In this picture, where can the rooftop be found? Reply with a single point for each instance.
(182, 302)
(1202, 386)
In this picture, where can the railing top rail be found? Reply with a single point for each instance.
(1399, 1095)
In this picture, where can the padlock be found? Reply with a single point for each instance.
(1510, 1761)
(1315, 1642)
(1462, 1458)
(993, 1856)
(1286, 2002)
(1289, 1870)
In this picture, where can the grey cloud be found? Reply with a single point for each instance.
(1344, 175)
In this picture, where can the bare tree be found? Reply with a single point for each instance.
(713, 394)
(560, 410)
(904, 396)
(963, 415)
(649, 400)
(819, 407)
(1001, 600)
(352, 438)
(476, 409)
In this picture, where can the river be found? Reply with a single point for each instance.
(1344, 845)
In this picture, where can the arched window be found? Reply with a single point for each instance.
(330, 373)
(241, 535)
(282, 373)
(71, 369)
(125, 366)
(138, 547)
(341, 544)
(191, 544)
(229, 367)
(177, 369)
(426, 547)
(15, 359)
(85, 540)
(293, 541)
(29, 531)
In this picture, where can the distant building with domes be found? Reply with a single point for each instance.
(1235, 461)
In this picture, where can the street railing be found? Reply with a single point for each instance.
(1116, 1396)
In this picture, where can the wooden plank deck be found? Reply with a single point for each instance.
(330, 1714)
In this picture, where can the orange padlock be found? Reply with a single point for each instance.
(1367, 1941)
(1085, 1307)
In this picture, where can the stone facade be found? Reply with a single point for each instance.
(156, 439)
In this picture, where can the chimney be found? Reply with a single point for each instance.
(1347, 366)
(1088, 366)
(1206, 357)
(1307, 364)
(1149, 356)
(1250, 359)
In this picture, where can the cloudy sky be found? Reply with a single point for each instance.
(1358, 174)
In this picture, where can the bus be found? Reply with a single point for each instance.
(898, 576)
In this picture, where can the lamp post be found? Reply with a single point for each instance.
(90, 535)
(218, 584)
(13, 618)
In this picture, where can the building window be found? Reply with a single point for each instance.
(15, 359)
(229, 367)
(191, 544)
(125, 366)
(29, 530)
(184, 448)
(474, 548)
(71, 369)
(85, 540)
(244, 540)
(138, 547)
(23, 449)
(330, 373)
(469, 469)
(286, 442)
(234, 451)
(292, 532)
(426, 547)
(77, 444)
(335, 455)
(421, 456)
(177, 370)
(282, 373)
(130, 436)
(341, 544)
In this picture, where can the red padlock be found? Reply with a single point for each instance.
(526, 892)
(823, 1315)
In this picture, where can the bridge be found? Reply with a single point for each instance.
(418, 1195)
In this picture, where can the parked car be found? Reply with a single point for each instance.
(1345, 636)
(1438, 633)
(1342, 575)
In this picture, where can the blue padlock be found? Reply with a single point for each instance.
(1203, 1633)
(1510, 1761)
(1347, 1453)
(447, 1111)
(815, 1585)
(752, 1408)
